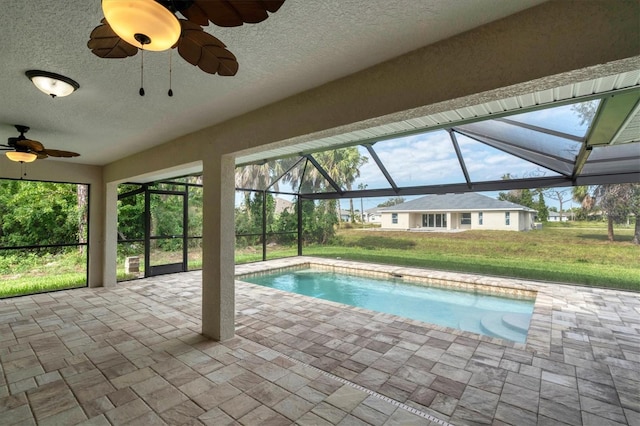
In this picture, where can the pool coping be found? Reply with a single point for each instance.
(410, 277)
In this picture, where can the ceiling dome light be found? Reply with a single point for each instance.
(142, 23)
(52, 84)
(22, 157)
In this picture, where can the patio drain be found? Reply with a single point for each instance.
(391, 401)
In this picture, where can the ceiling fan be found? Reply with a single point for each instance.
(129, 26)
(26, 150)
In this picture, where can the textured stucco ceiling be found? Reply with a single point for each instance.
(305, 44)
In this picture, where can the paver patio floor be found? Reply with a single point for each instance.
(133, 355)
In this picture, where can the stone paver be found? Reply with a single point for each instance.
(133, 355)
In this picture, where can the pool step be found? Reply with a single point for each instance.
(505, 326)
(517, 322)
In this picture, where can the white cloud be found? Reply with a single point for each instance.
(430, 159)
(412, 161)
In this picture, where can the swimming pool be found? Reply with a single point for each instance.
(486, 314)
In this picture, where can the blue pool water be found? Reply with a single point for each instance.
(479, 313)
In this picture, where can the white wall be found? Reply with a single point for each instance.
(492, 220)
(495, 220)
(374, 218)
(403, 221)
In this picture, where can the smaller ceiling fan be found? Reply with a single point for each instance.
(25, 150)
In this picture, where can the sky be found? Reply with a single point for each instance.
(430, 158)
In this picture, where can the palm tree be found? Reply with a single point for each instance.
(581, 194)
(349, 171)
(253, 176)
(343, 165)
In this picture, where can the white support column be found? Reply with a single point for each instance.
(96, 234)
(110, 235)
(218, 251)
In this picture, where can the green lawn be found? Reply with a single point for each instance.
(33, 271)
(576, 253)
(30, 284)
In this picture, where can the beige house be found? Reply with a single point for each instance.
(458, 211)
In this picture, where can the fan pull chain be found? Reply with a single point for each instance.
(170, 92)
(141, 72)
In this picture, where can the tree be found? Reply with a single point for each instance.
(392, 202)
(634, 207)
(82, 192)
(582, 195)
(257, 177)
(285, 226)
(38, 213)
(343, 165)
(318, 221)
(249, 217)
(585, 110)
(615, 201)
(525, 197)
(560, 195)
(543, 211)
(362, 187)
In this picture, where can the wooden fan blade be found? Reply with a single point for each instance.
(105, 43)
(33, 146)
(227, 13)
(59, 153)
(41, 155)
(196, 15)
(205, 51)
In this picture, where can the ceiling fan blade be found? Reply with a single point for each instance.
(105, 43)
(59, 153)
(227, 13)
(41, 155)
(33, 146)
(205, 51)
(196, 15)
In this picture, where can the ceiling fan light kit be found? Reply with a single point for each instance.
(54, 85)
(132, 25)
(23, 150)
(143, 23)
(21, 157)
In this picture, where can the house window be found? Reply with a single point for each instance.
(507, 218)
(465, 219)
(394, 217)
(480, 219)
(434, 220)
